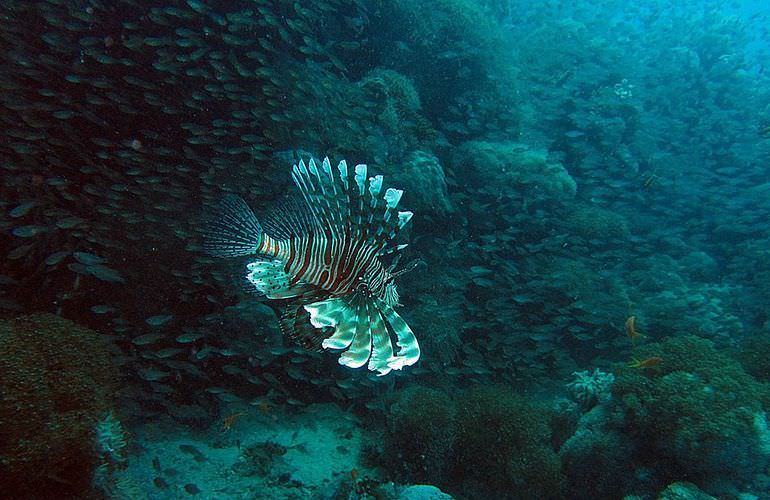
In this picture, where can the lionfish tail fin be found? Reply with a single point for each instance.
(362, 328)
(339, 198)
(233, 230)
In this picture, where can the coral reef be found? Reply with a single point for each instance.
(754, 355)
(570, 164)
(439, 299)
(448, 442)
(695, 416)
(421, 430)
(460, 68)
(399, 121)
(597, 460)
(592, 222)
(57, 383)
(590, 388)
(422, 175)
(503, 446)
(515, 168)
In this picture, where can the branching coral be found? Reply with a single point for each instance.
(110, 443)
(111, 439)
(589, 388)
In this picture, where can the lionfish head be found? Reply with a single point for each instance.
(390, 295)
(380, 286)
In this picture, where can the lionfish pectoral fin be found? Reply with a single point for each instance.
(362, 327)
(353, 324)
(408, 347)
(382, 346)
(337, 314)
(270, 279)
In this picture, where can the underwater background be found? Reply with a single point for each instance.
(591, 193)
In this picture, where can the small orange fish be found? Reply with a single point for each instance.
(229, 421)
(650, 181)
(650, 362)
(264, 407)
(354, 474)
(631, 330)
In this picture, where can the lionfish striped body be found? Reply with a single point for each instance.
(324, 263)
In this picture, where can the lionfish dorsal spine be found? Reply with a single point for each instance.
(343, 170)
(375, 184)
(360, 177)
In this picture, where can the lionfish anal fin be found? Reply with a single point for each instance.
(295, 323)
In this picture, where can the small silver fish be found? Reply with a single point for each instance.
(159, 320)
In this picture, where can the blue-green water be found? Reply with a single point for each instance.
(591, 197)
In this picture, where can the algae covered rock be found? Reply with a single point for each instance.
(56, 383)
(422, 492)
(424, 183)
(684, 491)
(421, 432)
(513, 168)
(503, 446)
(598, 459)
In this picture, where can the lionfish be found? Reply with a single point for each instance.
(321, 259)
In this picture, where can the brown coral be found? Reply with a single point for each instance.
(56, 380)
